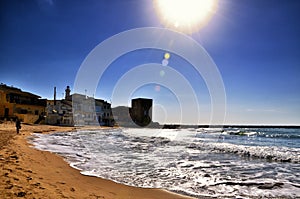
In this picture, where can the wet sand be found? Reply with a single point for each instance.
(30, 173)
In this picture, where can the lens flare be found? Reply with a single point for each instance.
(165, 62)
(185, 15)
(167, 56)
(157, 88)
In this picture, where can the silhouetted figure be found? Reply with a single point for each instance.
(18, 125)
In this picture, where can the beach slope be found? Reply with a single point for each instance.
(30, 173)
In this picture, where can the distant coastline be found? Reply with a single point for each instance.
(176, 126)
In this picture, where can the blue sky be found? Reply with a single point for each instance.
(254, 43)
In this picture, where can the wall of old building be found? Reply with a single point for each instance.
(29, 112)
(59, 113)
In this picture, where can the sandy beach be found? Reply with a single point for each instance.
(30, 173)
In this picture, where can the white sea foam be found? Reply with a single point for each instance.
(282, 154)
(180, 161)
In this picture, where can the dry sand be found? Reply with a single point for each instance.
(30, 173)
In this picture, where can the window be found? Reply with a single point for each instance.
(18, 110)
(24, 111)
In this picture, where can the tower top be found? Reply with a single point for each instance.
(68, 91)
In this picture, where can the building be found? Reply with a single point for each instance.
(79, 110)
(84, 110)
(104, 113)
(59, 112)
(15, 103)
(141, 111)
(91, 111)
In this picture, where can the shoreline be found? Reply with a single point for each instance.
(30, 173)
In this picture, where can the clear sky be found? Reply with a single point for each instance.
(254, 43)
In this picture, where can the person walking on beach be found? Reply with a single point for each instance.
(18, 125)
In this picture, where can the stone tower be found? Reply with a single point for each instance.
(141, 112)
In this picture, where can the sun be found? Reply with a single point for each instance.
(185, 15)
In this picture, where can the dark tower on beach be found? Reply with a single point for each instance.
(141, 112)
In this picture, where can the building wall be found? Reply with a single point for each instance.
(29, 112)
(79, 110)
(59, 113)
(84, 110)
(91, 111)
(107, 116)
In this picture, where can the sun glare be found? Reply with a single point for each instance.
(185, 15)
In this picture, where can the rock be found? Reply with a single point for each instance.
(207, 175)
(21, 194)
(14, 157)
(9, 186)
(270, 186)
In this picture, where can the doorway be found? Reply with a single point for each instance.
(6, 112)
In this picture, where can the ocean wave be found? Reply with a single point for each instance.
(191, 164)
(281, 154)
(280, 135)
(267, 133)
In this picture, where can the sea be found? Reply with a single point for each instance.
(198, 162)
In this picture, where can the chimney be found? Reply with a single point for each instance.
(54, 95)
